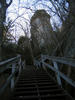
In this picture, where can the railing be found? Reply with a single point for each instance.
(14, 64)
(55, 68)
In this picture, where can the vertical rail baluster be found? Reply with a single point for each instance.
(19, 65)
(42, 62)
(57, 73)
(23, 64)
(13, 71)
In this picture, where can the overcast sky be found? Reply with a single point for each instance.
(21, 11)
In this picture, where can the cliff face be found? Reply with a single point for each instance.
(69, 50)
(41, 32)
(46, 41)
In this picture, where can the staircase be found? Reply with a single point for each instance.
(36, 84)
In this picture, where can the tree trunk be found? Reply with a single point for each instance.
(3, 9)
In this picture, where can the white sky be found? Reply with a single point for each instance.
(17, 10)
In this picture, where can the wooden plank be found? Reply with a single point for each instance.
(57, 73)
(62, 60)
(12, 79)
(9, 60)
(68, 80)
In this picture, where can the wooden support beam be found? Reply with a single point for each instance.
(57, 73)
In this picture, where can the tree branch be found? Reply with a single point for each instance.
(9, 3)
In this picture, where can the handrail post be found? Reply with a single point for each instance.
(19, 65)
(42, 62)
(13, 71)
(57, 73)
(23, 64)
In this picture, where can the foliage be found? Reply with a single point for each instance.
(24, 48)
(9, 50)
(7, 36)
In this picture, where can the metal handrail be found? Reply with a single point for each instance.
(4, 65)
(55, 68)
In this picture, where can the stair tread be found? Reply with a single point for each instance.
(37, 85)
